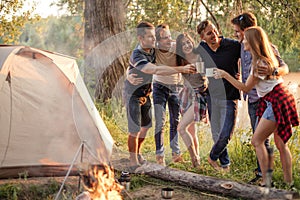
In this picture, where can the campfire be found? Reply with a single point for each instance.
(100, 184)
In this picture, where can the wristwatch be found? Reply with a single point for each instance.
(275, 72)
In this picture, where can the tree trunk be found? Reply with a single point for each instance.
(105, 59)
(214, 185)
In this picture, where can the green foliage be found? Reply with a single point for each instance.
(172, 12)
(9, 191)
(13, 20)
(53, 187)
(74, 6)
(281, 20)
(292, 58)
(36, 191)
(63, 35)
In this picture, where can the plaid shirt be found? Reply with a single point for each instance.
(284, 108)
(187, 97)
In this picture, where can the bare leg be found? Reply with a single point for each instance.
(141, 138)
(132, 148)
(285, 157)
(192, 131)
(263, 130)
(186, 121)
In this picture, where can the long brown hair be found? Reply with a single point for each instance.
(260, 47)
(180, 57)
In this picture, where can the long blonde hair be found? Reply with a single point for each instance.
(260, 48)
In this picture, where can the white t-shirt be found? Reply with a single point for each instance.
(263, 86)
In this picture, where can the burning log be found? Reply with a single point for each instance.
(100, 183)
(214, 185)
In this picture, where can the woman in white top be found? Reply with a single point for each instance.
(277, 108)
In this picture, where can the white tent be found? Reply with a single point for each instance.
(48, 121)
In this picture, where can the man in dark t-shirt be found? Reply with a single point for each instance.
(222, 97)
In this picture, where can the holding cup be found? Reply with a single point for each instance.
(209, 72)
(200, 67)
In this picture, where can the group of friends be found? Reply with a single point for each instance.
(159, 64)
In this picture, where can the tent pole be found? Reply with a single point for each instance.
(81, 159)
(69, 171)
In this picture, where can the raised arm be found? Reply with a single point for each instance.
(151, 68)
(245, 87)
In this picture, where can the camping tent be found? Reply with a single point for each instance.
(48, 121)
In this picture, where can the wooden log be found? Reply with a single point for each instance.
(214, 185)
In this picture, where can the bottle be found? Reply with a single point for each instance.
(125, 179)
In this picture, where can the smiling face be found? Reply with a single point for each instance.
(238, 33)
(165, 40)
(210, 34)
(187, 45)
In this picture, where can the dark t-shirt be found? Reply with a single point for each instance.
(226, 58)
(138, 59)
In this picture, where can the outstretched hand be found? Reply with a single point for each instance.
(189, 69)
(219, 73)
(133, 80)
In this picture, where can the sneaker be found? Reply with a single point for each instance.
(141, 159)
(177, 157)
(160, 160)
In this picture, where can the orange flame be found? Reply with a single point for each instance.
(102, 184)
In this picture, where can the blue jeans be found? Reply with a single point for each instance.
(222, 117)
(162, 96)
(253, 120)
(252, 114)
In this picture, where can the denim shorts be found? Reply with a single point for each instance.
(269, 114)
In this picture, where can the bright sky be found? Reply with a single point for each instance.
(43, 7)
